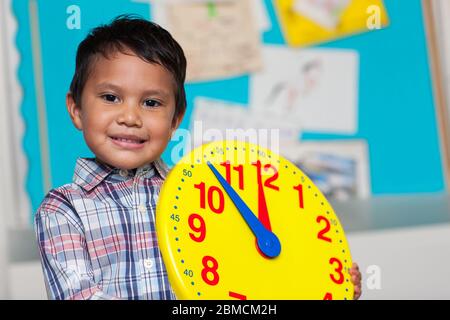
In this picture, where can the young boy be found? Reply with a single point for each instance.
(97, 235)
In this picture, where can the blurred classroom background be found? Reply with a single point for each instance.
(358, 89)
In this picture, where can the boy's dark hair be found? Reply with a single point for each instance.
(147, 40)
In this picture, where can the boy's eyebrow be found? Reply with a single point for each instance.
(156, 92)
(108, 85)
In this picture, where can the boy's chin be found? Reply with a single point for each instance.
(127, 164)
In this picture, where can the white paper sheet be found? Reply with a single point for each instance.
(314, 89)
(340, 169)
(221, 116)
(327, 13)
(261, 15)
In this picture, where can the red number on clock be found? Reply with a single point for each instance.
(201, 187)
(328, 296)
(323, 231)
(340, 279)
(237, 295)
(211, 191)
(239, 169)
(200, 229)
(219, 208)
(299, 188)
(210, 270)
(269, 181)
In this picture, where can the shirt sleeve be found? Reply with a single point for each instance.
(65, 259)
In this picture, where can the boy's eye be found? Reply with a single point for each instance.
(109, 98)
(151, 103)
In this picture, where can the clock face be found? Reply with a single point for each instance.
(237, 221)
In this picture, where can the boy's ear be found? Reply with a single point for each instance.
(74, 111)
(177, 121)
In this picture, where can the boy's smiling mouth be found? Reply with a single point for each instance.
(128, 141)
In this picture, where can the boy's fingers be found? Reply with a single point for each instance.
(354, 271)
(354, 268)
(356, 279)
(357, 292)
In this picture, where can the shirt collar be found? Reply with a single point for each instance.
(161, 168)
(90, 172)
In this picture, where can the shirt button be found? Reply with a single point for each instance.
(142, 209)
(123, 173)
(148, 264)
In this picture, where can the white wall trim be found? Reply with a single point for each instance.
(14, 201)
(439, 48)
(442, 12)
(6, 204)
(18, 162)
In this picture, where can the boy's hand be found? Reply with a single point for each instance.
(356, 280)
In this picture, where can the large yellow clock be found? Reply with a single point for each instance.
(237, 221)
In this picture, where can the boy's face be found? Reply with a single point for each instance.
(127, 109)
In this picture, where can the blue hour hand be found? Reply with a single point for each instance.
(267, 241)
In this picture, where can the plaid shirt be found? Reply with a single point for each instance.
(97, 236)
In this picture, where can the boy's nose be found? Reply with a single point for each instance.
(130, 116)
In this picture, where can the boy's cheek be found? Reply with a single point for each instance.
(159, 132)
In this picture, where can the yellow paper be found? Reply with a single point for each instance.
(358, 16)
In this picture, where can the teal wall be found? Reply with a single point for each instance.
(396, 111)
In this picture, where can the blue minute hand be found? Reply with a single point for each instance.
(267, 241)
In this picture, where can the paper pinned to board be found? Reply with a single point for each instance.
(326, 13)
(308, 22)
(158, 12)
(219, 42)
(261, 15)
(340, 169)
(315, 89)
(159, 15)
(222, 117)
